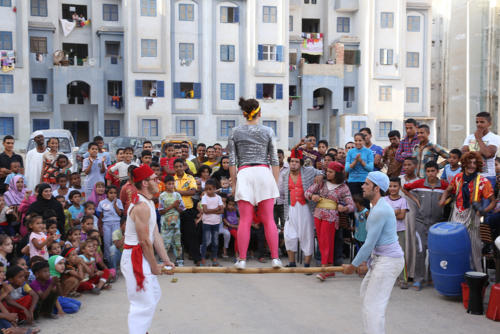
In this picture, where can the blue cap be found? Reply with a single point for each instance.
(380, 179)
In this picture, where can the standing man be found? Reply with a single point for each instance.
(377, 150)
(6, 158)
(405, 149)
(426, 151)
(34, 159)
(218, 151)
(201, 149)
(279, 205)
(138, 263)
(389, 156)
(212, 160)
(387, 258)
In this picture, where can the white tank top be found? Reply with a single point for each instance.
(130, 232)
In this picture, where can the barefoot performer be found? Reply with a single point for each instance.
(138, 263)
(252, 150)
(387, 258)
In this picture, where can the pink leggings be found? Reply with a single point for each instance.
(266, 217)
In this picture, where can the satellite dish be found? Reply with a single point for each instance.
(92, 61)
(58, 57)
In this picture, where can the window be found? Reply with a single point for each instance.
(112, 48)
(292, 90)
(5, 3)
(5, 40)
(386, 56)
(187, 90)
(290, 23)
(227, 53)
(186, 12)
(413, 23)
(150, 88)
(269, 52)
(290, 129)
(148, 47)
(148, 7)
(269, 91)
(385, 93)
(225, 127)
(41, 124)
(227, 91)
(187, 127)
(6, 126)
(386, 20)
(38, 7)
(150, 128)
(384, 128)
(39, 86)
(356, 126)
(38, 45)
(114, 88)
(186, 51)
(412, 59)
(352, 57)
(412, 94)
(6, 83)
(272, 124)
(229, 14)
(343, 24)
(270, 14)
(69, 10)
(111, 128)
(109, 12)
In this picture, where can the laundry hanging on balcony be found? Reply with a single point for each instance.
(312, 43)
(67, 26)
(7, 60)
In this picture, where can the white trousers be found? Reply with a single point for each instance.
(226, 234)
(299, 227)
(376, 290)
(142, 303)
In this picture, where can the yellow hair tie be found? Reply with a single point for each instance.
(253, 113)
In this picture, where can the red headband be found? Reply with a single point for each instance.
(141, 173)
(336, 166)
(296, 154)
(68, 251)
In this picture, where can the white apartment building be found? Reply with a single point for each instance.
(356, 64)
(146, 68)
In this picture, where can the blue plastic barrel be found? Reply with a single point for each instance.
(449, 256)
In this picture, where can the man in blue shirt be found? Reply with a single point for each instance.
(387, 258)
(377, 150)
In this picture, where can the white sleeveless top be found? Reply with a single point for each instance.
(130, 232)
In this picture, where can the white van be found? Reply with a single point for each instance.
(66, 143)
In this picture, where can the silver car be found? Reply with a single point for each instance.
(122, 142)
(66, 144)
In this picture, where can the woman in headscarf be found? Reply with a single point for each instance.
(223, 171)
(46, 201)
(16, 192)
(98, 193)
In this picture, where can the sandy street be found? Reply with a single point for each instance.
(270, 303)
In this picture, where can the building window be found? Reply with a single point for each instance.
(150, 128)
(313, 2)
(343, 24)
(290, 23)
(150, 88)
(112, 128)
(268, 52)
(384, 128)
(112, 48)
(412, 94)
(227, 53)
(148, 48)
(187, 90)
(227, 91)
(41, 124)
(269, 91)
(292, 90)
(38, 7)
(273, 125)
(352, 57)
(38, 45)
(6, 126)
(5, 40)
(412, 59)
(386, 20)
(270, 14)
(5, 3)
(109, 12)
(386, 56)
(187, 126)
(6, 83)
(39, 86)
(186, 12)
(186, 51)
(385, 93)
(114, 88)
(229, 14)
(413, 23)
(290, 129)
(148, 7)
(356, 126)
(226, 126)
(69, 10)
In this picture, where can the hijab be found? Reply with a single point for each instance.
(14, 196)
(41, 205)
(53, 260)
(95, 197)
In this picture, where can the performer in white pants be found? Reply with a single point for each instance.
(138, 263)
(387, 258)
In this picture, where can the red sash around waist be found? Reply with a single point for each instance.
(137, 264)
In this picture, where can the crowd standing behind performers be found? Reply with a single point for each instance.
(61, 234)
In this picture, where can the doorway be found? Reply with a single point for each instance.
(79, 130)
(313, 128)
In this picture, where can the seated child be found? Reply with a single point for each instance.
(73, 238)
(38, 240)
(73, 274)
(57, 266)
(47, 288)
(95, 279)
(21, 299)
(7, 319)
(89, 210)
(87, 226)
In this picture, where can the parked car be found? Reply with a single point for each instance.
(66, 144)
(122, 142)
(178, 139)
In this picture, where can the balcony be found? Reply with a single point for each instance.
(336, 70)
(346, 6)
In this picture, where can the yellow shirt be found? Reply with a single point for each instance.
(213, 165)
(187, 182)
(191, 166)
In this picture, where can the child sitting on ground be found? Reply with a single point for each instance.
(73, 237)
(89, 210)
(57, 265)
(38, 240)
(73, 274)
(87, 226)
(48, 289)
(6, 248)
(95, 279)
(21, 299)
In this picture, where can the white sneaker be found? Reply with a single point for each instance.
(277, 263)
(240, 264)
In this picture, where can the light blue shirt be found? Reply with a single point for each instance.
(359, 173)
(380, 228)
(99, 156)
(108, 211)
(449, 174)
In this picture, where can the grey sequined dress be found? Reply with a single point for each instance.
(252, 145)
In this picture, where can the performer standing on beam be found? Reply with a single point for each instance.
(252, 150)
(138, 263)
(387, 258)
